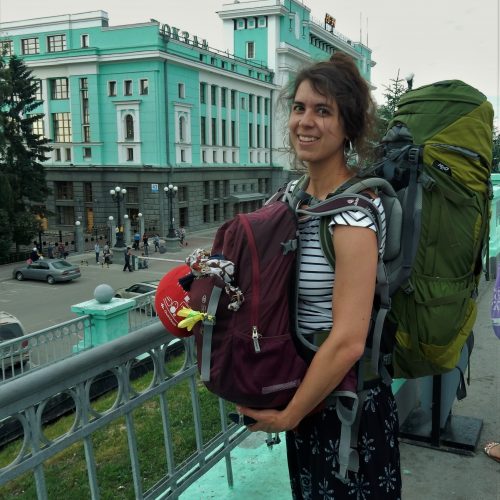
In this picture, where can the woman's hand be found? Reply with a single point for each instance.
(267, 420)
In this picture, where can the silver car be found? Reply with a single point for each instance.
(49, 270)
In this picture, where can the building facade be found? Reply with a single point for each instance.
(148, 105)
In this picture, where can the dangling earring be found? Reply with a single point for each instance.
(350, 154)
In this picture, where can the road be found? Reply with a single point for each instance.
(39, 305)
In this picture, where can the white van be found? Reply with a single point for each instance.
(11, 328)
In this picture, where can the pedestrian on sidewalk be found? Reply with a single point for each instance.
(97, 250)
(128, 255)
(156, 241)
(50, 251)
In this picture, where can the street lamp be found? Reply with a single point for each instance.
(118, 194)
(170, 193)
(110, 227)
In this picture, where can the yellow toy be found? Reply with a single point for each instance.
(192, 317)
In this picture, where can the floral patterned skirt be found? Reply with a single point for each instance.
(313, 453)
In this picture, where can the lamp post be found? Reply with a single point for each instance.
(111, 225)
(79, 246)
(118, 194)
(170, 193)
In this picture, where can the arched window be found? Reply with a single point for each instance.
(182, 129)
(129, 127)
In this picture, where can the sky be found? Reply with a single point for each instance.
(434, 39)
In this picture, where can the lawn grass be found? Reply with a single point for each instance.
(66, 473)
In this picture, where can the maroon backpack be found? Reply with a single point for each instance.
(248, 356)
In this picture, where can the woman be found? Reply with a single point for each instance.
(331, 111)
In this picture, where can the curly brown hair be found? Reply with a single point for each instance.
(340, 79)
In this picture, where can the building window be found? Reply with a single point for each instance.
(250, 103)
(57, 154)
(86, 133)
(243, 104)
(129, 127)
(206, 213)
(182, 128)
(183, 155)
(62, 127)
(84, 92)
(37, 127)
(38, 89)
(130, 154)
(127, 87)
(233, 155)
(66, 216)
(266, 106)
(182, 194)
(204, 156)
(227, 188)
(87, 192)
(6, 47)
(132, 194)
(112, 89)
(258, 135)
(87, 154)
(250, 46)
(224, 141)
(224, 157)
(206, 190)
(67, 152)
(266, 138)
(259, 102)
(203, 131)
(203, 90)
(181, 90)
(233, 133)
(30, 46)
(250, 135)
(213, 91)
(216, 189)
(214, 156)
(63, 190)
(59, 88)
(214, 132)
(233, 99)
(143, 86)
(56, 43)
(223, 93)
(84, 41)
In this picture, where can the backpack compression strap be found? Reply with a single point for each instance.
(208, 327)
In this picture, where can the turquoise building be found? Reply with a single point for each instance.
(147, 105)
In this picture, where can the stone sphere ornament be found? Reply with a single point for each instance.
(103, 293)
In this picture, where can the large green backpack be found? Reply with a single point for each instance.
(438, 158)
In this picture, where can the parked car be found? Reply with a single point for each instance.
(49, 270)
(138, 289)
(11, 328)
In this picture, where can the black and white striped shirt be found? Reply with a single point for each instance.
(316, 277)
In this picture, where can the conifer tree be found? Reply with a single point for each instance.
(392, 94)
(22, 176)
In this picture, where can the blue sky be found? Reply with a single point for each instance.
(435, 39)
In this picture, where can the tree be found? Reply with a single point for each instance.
(22, 151)
(385, 112)
(496, 150)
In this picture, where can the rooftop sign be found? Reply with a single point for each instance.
(183, 36)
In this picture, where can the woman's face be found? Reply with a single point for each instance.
(316, 129)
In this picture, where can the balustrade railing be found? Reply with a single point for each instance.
(25, 400)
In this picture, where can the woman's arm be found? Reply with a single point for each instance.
(356, 256)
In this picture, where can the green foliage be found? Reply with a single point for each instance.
(385, 112)
(22, 176)
(496, 150)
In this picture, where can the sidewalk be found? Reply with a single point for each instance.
(196, 239)
(427, 474)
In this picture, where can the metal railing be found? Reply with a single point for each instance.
(25, 399)
(41, 348)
